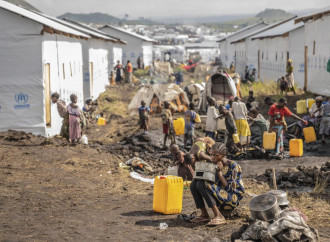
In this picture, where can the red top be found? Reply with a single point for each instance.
(278, 114)
(129, 67)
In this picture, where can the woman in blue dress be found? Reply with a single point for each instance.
(224, 194)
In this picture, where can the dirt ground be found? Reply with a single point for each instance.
(52, 191)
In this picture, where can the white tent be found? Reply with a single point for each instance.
(227, 50)
(220, 86)
(155, 95)
(317, 51)
(246, 49)
(38, 57)
(137, 45)
(98, 51)
(276, 46)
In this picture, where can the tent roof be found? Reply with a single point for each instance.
(279, 30)
(260, 30)
(314, 15)
(93, 31)
(144, 38)
(23, 4)
(241, 30)
(41, 19)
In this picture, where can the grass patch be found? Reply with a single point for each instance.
(260, 88)
(141, 73)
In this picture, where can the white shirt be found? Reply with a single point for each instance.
(313, 109)
(239, 110)
(211, 120)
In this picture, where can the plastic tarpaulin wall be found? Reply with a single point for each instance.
(64, 56)
(24, 57)
(21, 92)
(95, 67)
(318, 80)
(273, 57)
(296, 52)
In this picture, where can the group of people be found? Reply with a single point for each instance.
(73, 117)
(250, 76)
(128, 70)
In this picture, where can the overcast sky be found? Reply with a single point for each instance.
(154, 8)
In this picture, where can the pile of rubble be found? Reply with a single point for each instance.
(144, 147)
(289, 225)
(300, 176)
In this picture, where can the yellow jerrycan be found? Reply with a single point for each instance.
(269, 140)
(236, 138)
(296, 147)
(178, 126)
(310, 102)
(301, 107)
(168, 193)
(309, 134)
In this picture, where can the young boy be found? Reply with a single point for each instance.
(101, 120)
(168, 128)
(143, 117)
(189, 130)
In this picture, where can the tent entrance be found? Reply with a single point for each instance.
(155, 105)
(47, 95)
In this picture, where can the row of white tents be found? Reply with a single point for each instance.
(40, 55)
(304, 39)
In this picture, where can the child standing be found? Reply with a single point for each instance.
(101, 120)
(168, 129)
(189, 129)
(143, 117)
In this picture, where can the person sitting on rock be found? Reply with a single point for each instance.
(224, 195)
(200, 151)
(143, 117)
(168, 128)
(185, 171)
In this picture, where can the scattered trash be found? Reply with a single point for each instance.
(84, 140)
(110, 172)
(140, 164)
(163, 226)
(141, 178)
(186, 217)
(289, 225)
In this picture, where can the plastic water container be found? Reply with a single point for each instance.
(310, 102)
(101, 121)
(236, 138)
(168, 192)
(296, 147)
(205, 171)
(178, 126)
(172, 170)
(301, 107)
(269, 140)
(309, 134)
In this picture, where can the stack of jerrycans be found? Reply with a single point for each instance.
(168, 193)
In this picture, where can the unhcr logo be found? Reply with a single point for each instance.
(21, 101)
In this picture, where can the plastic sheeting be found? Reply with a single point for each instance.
(318, 79)
(221, 87)
(24, 53)
(164, 92)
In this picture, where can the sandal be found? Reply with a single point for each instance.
(216, 222)
(199, 220)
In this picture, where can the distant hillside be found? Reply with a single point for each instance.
(268, 16)
(102, 18)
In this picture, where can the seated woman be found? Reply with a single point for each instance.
(225, 194)
(199, 151)
(185, 171)
(313, 117)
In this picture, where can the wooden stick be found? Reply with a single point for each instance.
(274, 180)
